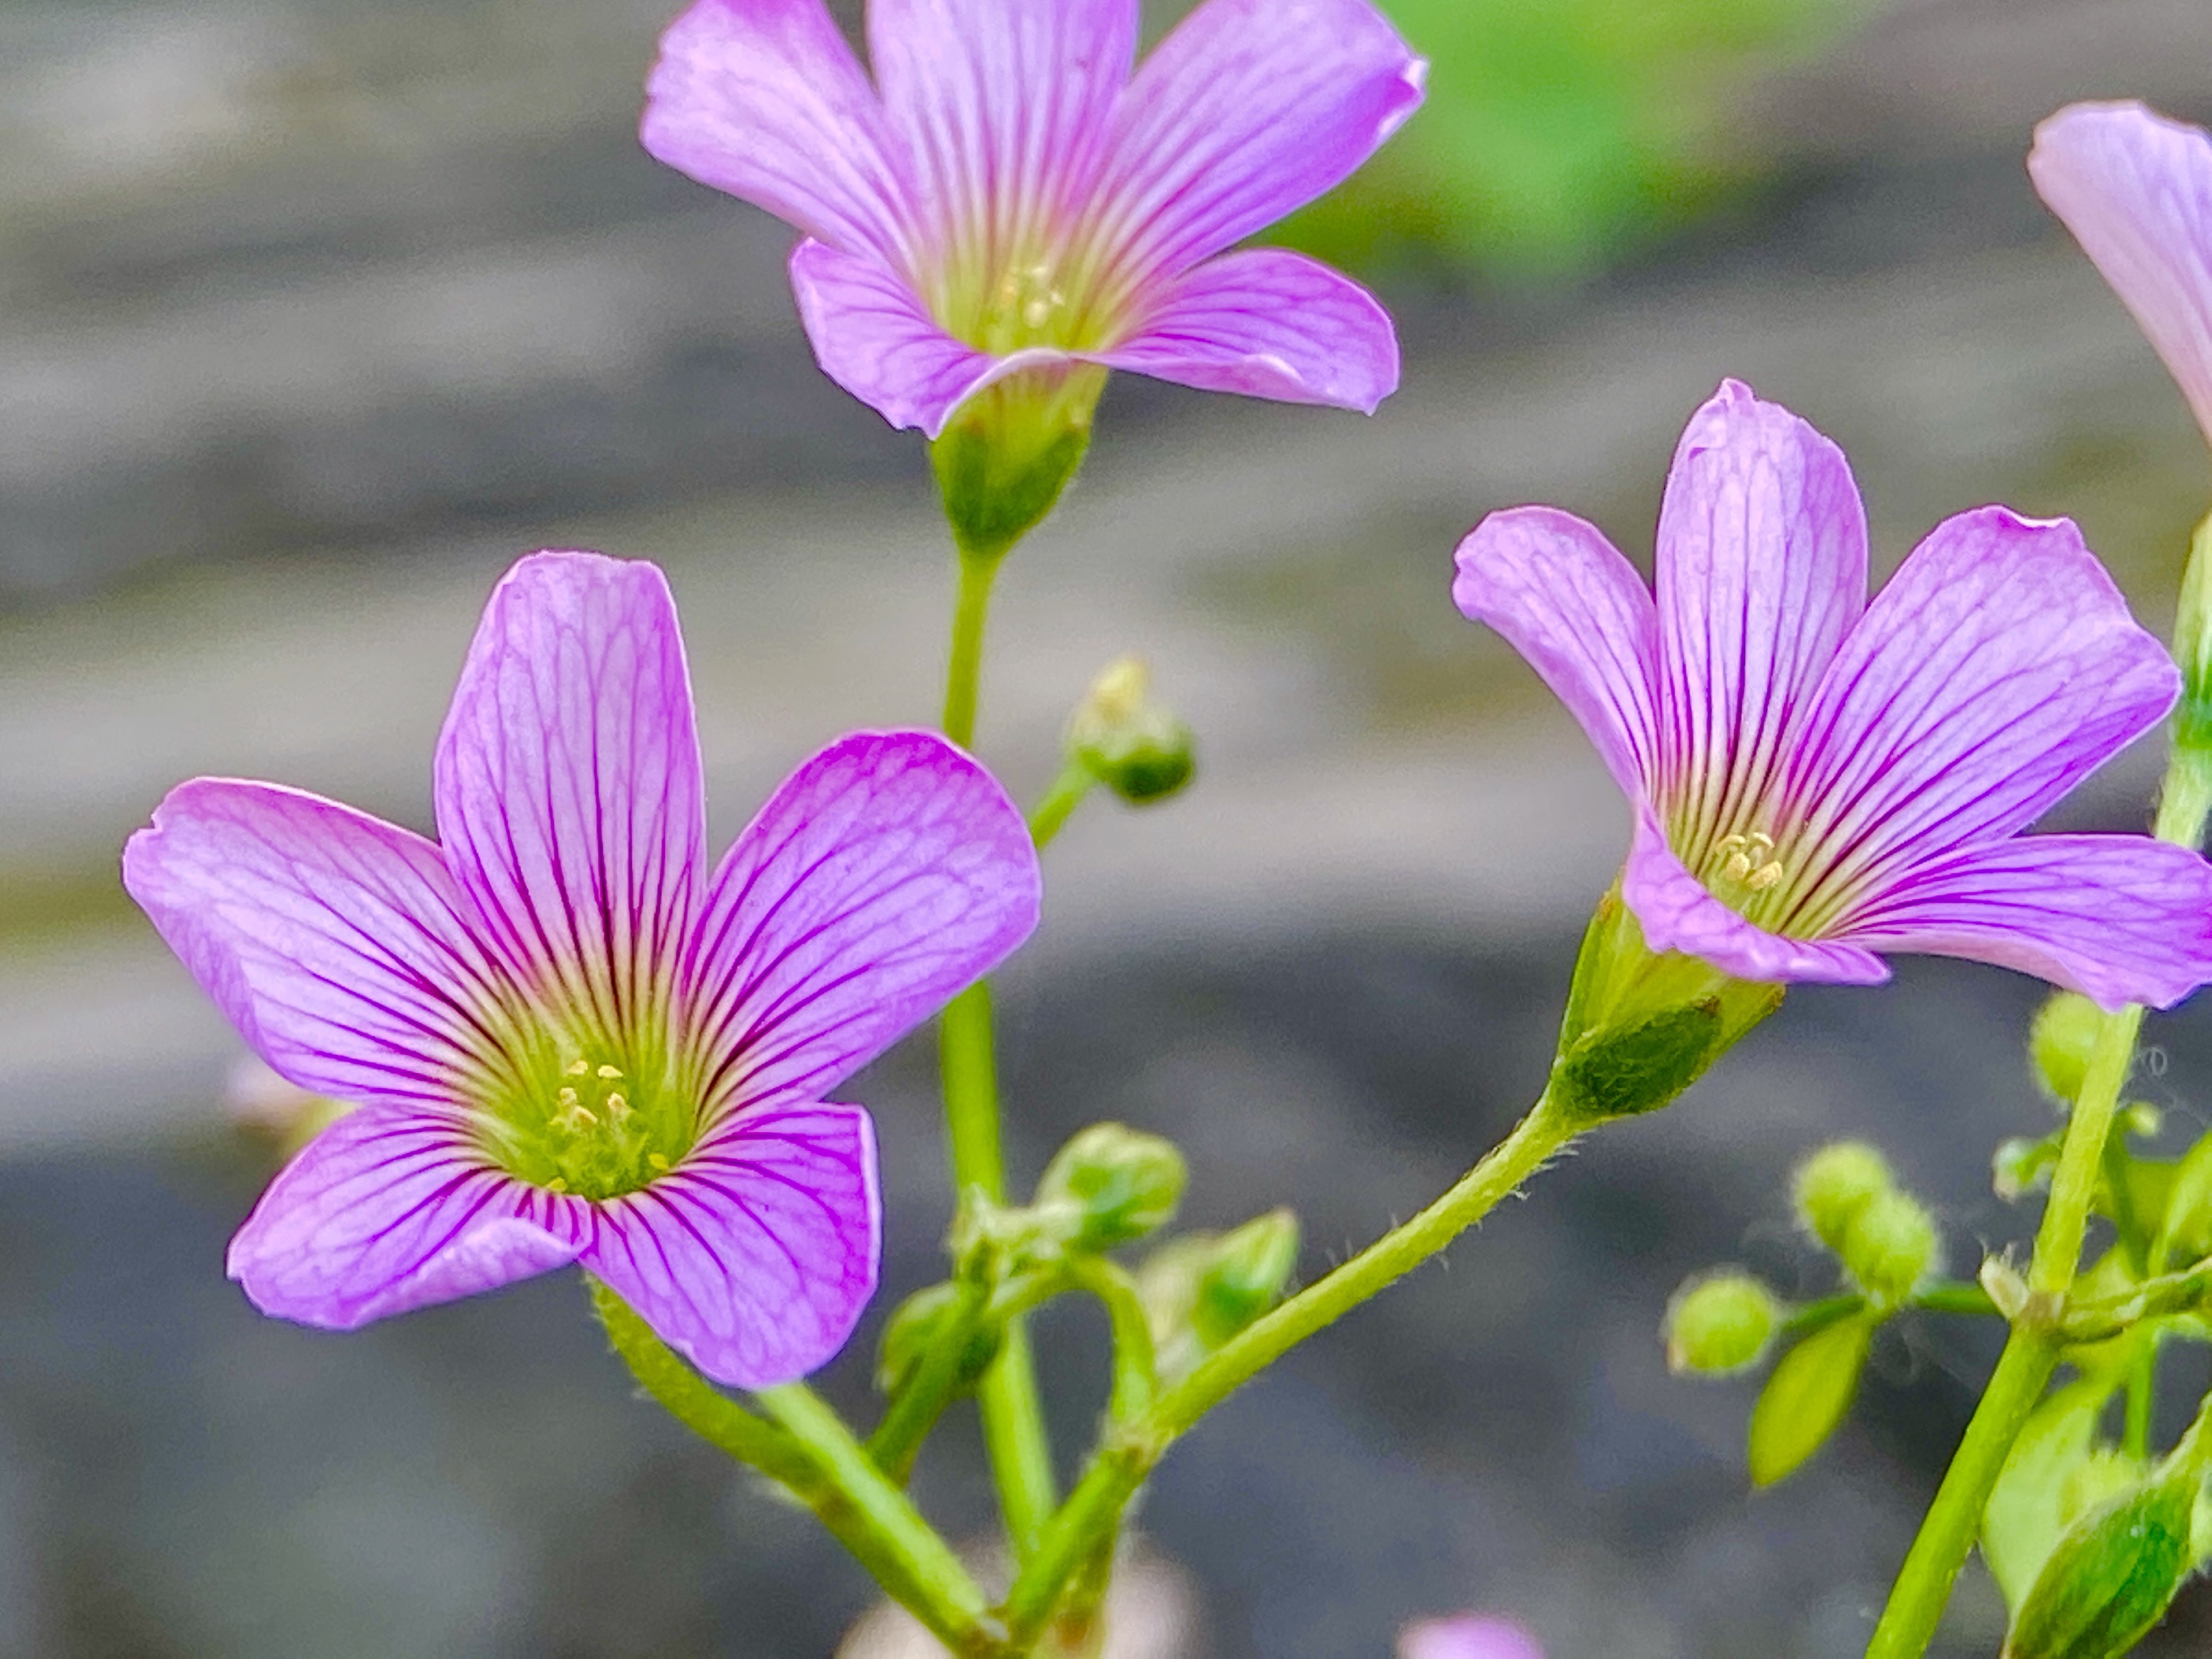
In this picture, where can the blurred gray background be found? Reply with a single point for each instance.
(314, 316)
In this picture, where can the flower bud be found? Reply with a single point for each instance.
(1250, 1266)
(917, 1326)
(1833, 1185)
(2113, 1575)
(1110, 1185)
(1008, 452)
(1890, 1244)
(2192, 647)
(1134, 745)
(1720, 1322)
(2021, 1166)
(1199, 1291)
(2060, 1041)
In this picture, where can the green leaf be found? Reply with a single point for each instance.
(1806, 1398)
(2111, 1576)
(2185, 1230)
(2027, 1509)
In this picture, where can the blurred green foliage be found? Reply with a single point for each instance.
(1558, 133)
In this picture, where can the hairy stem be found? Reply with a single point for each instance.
(1923, 1588)
(1131, 1449)
(808, 1451)
(1013, 1415)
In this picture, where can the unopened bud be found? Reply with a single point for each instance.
(2192, 647)
(1133, 745)
(1834, 1184)
(1111, 1185)
(1201, 1288)
(1250, 1266)
(918, 1325)
(1890, 1245)
(2021, 1166)
(2111, 1576)
(2060, 1041)
(1719, 1323)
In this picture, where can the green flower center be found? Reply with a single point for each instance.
(593, 1120)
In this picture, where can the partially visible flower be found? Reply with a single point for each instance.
(1006, 196)
(567, 1040)
(1468, 1635)
(1817, 779)
(2135, 189)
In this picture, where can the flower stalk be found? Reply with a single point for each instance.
(809, 1452)
(2031, 1355)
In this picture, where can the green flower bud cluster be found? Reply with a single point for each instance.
(1847, 1199)
(1727, 1321)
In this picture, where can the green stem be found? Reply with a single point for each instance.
(1074, 782)
(2142, 1388)
(1944, 1296)
(810, 1453)
(1013, 1415)
(1130, 1449)
(915, 1410)
(963, 673)
(2031, 1352)
(1136, 1382)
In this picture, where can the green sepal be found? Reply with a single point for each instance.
(2192, 652)
(1806, 1400)
(1006, 454)
(2112, 1574)
(1641, 1025)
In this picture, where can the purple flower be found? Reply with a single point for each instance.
(568, 1039)
(1816, 778)
(1468, 1635)
(2135, 189)
(1006, 196)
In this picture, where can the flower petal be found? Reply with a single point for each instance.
(1267, 324)
(336, 943)
(1004, 104)
(1248, 109)
(568, 789)
(764, 98)
(2135, 189)
(389, 1210)
(1997, 669)
(2120, 919)
(754, 1257)
(871, 335)
(886, 874)
(1762, 570)
(1677, 913)
(1574, 607)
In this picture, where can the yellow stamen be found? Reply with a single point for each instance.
(656, 1160)
(578, 1067)
(610, 1072)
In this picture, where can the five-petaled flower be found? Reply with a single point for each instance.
(1817, 778)
(2135, 189)
(1007, 197)
(567, 1039)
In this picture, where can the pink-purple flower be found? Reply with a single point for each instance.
(569, 1038)
(2135, 189)
(1467, 1636)
(1006, 196)
(1818, 779)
